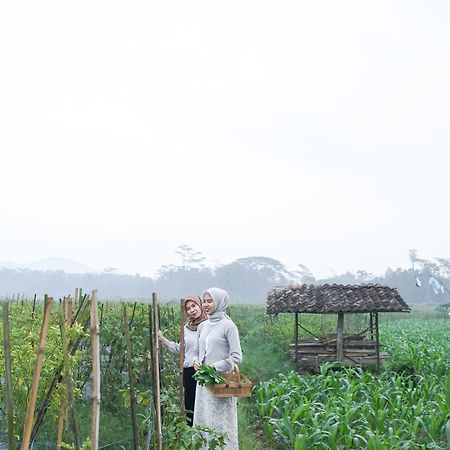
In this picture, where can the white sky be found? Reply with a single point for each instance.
(310, 132)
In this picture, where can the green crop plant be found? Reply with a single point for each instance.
(349, 408)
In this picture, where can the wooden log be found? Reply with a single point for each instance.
(48, 301)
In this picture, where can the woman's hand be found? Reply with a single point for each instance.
(162, 338)
(197, 364)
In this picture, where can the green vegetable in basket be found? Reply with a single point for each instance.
(208, 375)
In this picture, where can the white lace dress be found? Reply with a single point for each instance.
(217, 413)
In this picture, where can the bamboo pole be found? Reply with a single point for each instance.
(182, 320)
(95, 372)
(152, 369)
(48, 301)
(8, 376)
(134, 426)
(68, 310)
(156, 371)
(34, 307)
(59, 436)
(77, 297)
(67, 374)
(62, 403)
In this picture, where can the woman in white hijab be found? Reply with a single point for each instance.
(218, 343)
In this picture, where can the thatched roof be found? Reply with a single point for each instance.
(334, 298)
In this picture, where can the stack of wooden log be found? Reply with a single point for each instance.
(357, 351)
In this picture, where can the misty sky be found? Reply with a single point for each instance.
(310, 132)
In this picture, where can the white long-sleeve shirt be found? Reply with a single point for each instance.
(190, 341)
(216, 342)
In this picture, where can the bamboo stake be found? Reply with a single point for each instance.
(34, 307)
(48, 301)
(68, 310)
(95, 372)
(77, 297)
(8, 376)
(67, 374)
(152, 368)
(59, 436)
(182, 319)
(62, 403)
(75, 301)
(131, 379)
(156, 372)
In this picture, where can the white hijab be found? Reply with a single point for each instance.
(220, 299)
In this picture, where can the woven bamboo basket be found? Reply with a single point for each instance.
(237, 385)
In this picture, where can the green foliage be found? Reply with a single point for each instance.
(405, 407)
(208, 375)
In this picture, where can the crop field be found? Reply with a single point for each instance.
(406, 406)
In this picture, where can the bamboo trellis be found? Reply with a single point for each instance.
(48, 301)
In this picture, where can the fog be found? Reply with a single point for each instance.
(313, 133)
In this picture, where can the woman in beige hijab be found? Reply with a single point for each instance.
(196, 315)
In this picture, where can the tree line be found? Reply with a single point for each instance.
(248, 280)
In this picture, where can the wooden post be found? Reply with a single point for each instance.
(156, 372)
(48, 301)
(377, 334)
(8, 377)
(340, 338)
(126, 331)
(296, 341)
(182, 320)
(95, 372)
(371, 325)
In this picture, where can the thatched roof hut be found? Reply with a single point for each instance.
(337, 299)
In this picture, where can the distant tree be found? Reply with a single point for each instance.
(189, 257)
(248, 280)
(443, 267)
(302, 275)
(175, 282)
(413, 256)
(444, 309)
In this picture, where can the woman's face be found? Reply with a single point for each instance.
(193, 310)
(208, 304)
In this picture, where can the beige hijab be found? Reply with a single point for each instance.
(194, 323)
